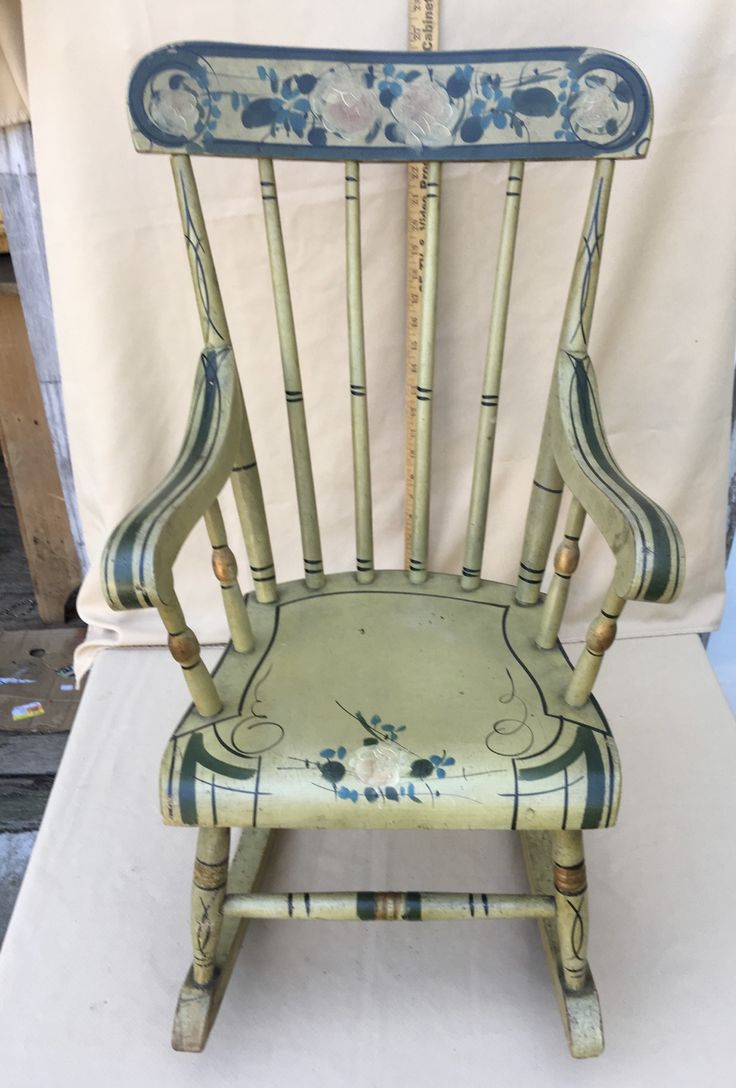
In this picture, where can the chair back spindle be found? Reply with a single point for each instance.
(306, 500)
(246, 485)
(225, 568)
(578, 316)
(201, 264)
(547, 488)
(246, 479)
(425, 380)
(511, 106)
(358, 382)
(483, 464)
(565, 565)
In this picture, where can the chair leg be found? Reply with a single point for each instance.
(555, 866)
(215, 941)
(571, 900)
(208, 895)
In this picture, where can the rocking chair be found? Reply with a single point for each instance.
(491, 726)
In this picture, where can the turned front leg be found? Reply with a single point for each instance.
(571, 901)
(208, 896)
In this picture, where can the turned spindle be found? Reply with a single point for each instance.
(184, 648)
(566, 561)
(226, 572)
(599, 638)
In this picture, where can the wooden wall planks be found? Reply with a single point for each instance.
(34, 477)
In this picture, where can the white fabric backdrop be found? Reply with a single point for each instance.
(128, 334)
(99, 942)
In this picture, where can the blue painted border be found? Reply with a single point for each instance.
(189, 57)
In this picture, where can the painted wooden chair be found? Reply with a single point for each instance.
(292, 730)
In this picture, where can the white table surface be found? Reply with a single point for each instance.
(98, 944)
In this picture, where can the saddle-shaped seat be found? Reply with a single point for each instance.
(392, 705)
(392, 699)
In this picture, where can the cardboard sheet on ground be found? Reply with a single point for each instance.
(99, 944)
(128, 334)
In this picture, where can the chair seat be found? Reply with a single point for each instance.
(393, 705)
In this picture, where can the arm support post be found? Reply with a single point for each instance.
(226, 572)
(599, 638)
(184, 648)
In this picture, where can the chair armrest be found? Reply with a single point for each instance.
(650, 558)
(139, 555)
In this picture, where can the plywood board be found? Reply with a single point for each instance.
(37, 684)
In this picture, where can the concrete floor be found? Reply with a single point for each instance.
(33, 664)
(15, 850)
(38, 701)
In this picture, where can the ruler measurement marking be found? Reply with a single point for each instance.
(423, 37)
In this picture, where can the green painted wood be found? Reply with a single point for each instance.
(138, 558)
(328, 724)
(306, 500)
(547, 488)
(246, 479)
(198, 1006)
(650, 560)
(483, 464)
(248, 494)
(571, 907)
(649, 553)
(358, 380)
(580, 1009)
(226, 571)
(418, 558)
(565, 565)
(600, 636)
(199, 254)
(184, 647)
(209, 885)
(388, 906)
(391, 699)
(578, 317)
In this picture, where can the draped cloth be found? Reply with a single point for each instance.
(663, 334)
(13, 80)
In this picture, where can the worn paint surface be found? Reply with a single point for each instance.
(218, 99)
(389, 705)
(392, 699)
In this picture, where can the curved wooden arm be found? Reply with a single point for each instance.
(138, 557)
(650, 558)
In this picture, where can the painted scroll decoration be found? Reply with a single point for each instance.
(206, 98)
(258, 756)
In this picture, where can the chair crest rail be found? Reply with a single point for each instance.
(212, 98)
